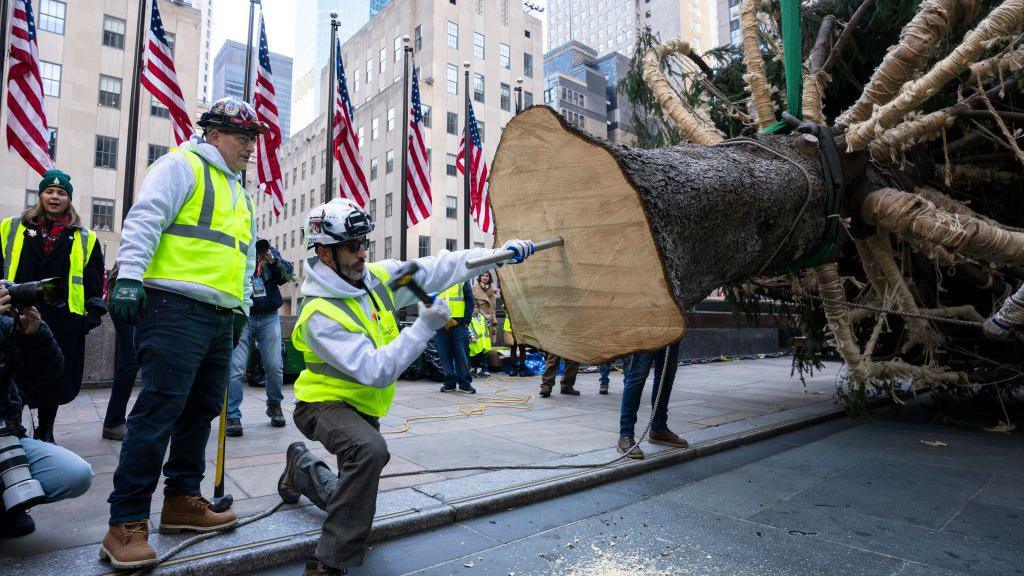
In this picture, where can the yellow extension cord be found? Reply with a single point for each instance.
(477, 408)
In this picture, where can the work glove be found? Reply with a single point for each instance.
(437, 316)
(92, 321)
(520, 248)
(240, 321)
(128, 301)
(995, 329)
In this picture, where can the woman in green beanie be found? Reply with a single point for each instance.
(49, 240)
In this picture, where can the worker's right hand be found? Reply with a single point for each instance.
(437, 315)
(128, 300)
(998, 330)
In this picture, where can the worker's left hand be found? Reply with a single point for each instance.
(520, 248)
(997, 330)
(240, 322)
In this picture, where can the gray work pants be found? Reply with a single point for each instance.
(350, 497)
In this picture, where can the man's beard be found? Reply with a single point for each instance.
(352, 274)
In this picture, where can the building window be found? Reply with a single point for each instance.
(387, 247)
(355, 81)
(171, 41)
(373, 209)
(157, 108)
(382, 59)
(51, 16)
(528, 65)
(424, 246)
(480, 129)
(425, 110)
(391, 119)
(387, 205)
(51, 147)
(106, 152)
(453, 35)
(155, 152)
(374, 128)
(389, 161)
(102, 215)
(303, 170)
(450, 244)
(113, 32)
(478, 45)
(51, 78)
(372, 251)
(285, 179)
(369, 72)
(453, 123)
(506, 97)
(452, 79)
(505, 56)
(360, 136)
(373, 169)
(110, 91)
(397, 52)
(478, 87)
(451, 205)
(417, 39)
(450, 167)
(31, 198)
(527, 99)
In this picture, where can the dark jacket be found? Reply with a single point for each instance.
(277, 274)
(69, 329)
(29, 366)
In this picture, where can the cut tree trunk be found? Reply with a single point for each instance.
(648, 233)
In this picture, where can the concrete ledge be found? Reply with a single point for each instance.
(257, 555)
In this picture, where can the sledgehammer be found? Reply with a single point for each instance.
(506, 254)
(404, 277)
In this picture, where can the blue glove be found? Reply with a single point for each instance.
(520, 248)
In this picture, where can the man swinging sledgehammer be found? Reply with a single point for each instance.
(354, 353)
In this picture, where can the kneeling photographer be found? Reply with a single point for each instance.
(31, 471)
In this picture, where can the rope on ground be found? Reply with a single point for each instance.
(478, 408)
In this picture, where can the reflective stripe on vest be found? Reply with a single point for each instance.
(456, 300)
(321, 382)
(208, 241)
(12, 235)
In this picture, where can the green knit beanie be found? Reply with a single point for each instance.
(56, 178)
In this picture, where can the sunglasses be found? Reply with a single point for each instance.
(356, 246)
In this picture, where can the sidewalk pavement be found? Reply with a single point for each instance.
(710, 402)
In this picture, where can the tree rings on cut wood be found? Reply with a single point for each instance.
(648, 233)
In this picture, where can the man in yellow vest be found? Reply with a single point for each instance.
(452, 341)
(354, 353)
(187, 252)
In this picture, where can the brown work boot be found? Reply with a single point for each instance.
(127, 545)
(627, 442)
(668, 438)
(193, 513)
(570, 391)
(316, 568)
(545, 391)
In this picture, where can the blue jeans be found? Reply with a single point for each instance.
(185, 355)
(604, 373)
(453, 351)
(637, 368)
(62, 473)
(266, 328)
(126, 368)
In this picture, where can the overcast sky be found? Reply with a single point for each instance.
(231, 16)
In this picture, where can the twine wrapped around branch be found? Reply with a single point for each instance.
(997, 66)
(697, 129)
(830, 288)
(756, 79)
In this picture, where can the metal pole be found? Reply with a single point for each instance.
(331, 91)
(404, 202)
(128, 198)
(467, 171)
(247, 90)
(4, 6)
(519, 95)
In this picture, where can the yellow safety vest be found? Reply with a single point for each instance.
(208, 241)
(12, 236)
(321, 382)
(482, 335)
(456, 300)
(507, 326)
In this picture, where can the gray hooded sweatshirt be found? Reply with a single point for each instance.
(352, 352)
(168, 185)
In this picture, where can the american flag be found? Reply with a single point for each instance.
(418, 175)
(346, 143)
(159, 77)
(479, 199)
(268, 166)
(27, 131)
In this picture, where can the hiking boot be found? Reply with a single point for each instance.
(127, 546)
(624, 446)
(193, 513)
(484, 373)
(316, 568)
(285, 487)
(570, 391)
(603, 389)
(115, 433)
(667, 438)
(448, 388)
(545, 391)
(468, 389)
(234, 427)
(276, 416)
(16, 524)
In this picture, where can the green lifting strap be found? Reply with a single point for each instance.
(792, 48)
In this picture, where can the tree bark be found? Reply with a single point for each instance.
(648, 233)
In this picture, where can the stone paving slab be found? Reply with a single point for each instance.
(499, 436)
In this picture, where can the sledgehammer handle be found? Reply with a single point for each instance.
(506, 254)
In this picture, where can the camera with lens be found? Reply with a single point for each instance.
(50, 291)
(20, 490)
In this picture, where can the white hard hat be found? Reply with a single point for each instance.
(336, 222)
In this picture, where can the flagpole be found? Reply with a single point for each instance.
(4, 6)
(332, 89)
(133, 114)
(404, 204)
(519, 95)
(467, 170)
(248, 53)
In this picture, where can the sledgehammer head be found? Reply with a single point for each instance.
(404, 276)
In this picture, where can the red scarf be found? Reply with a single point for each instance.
(50, 236)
